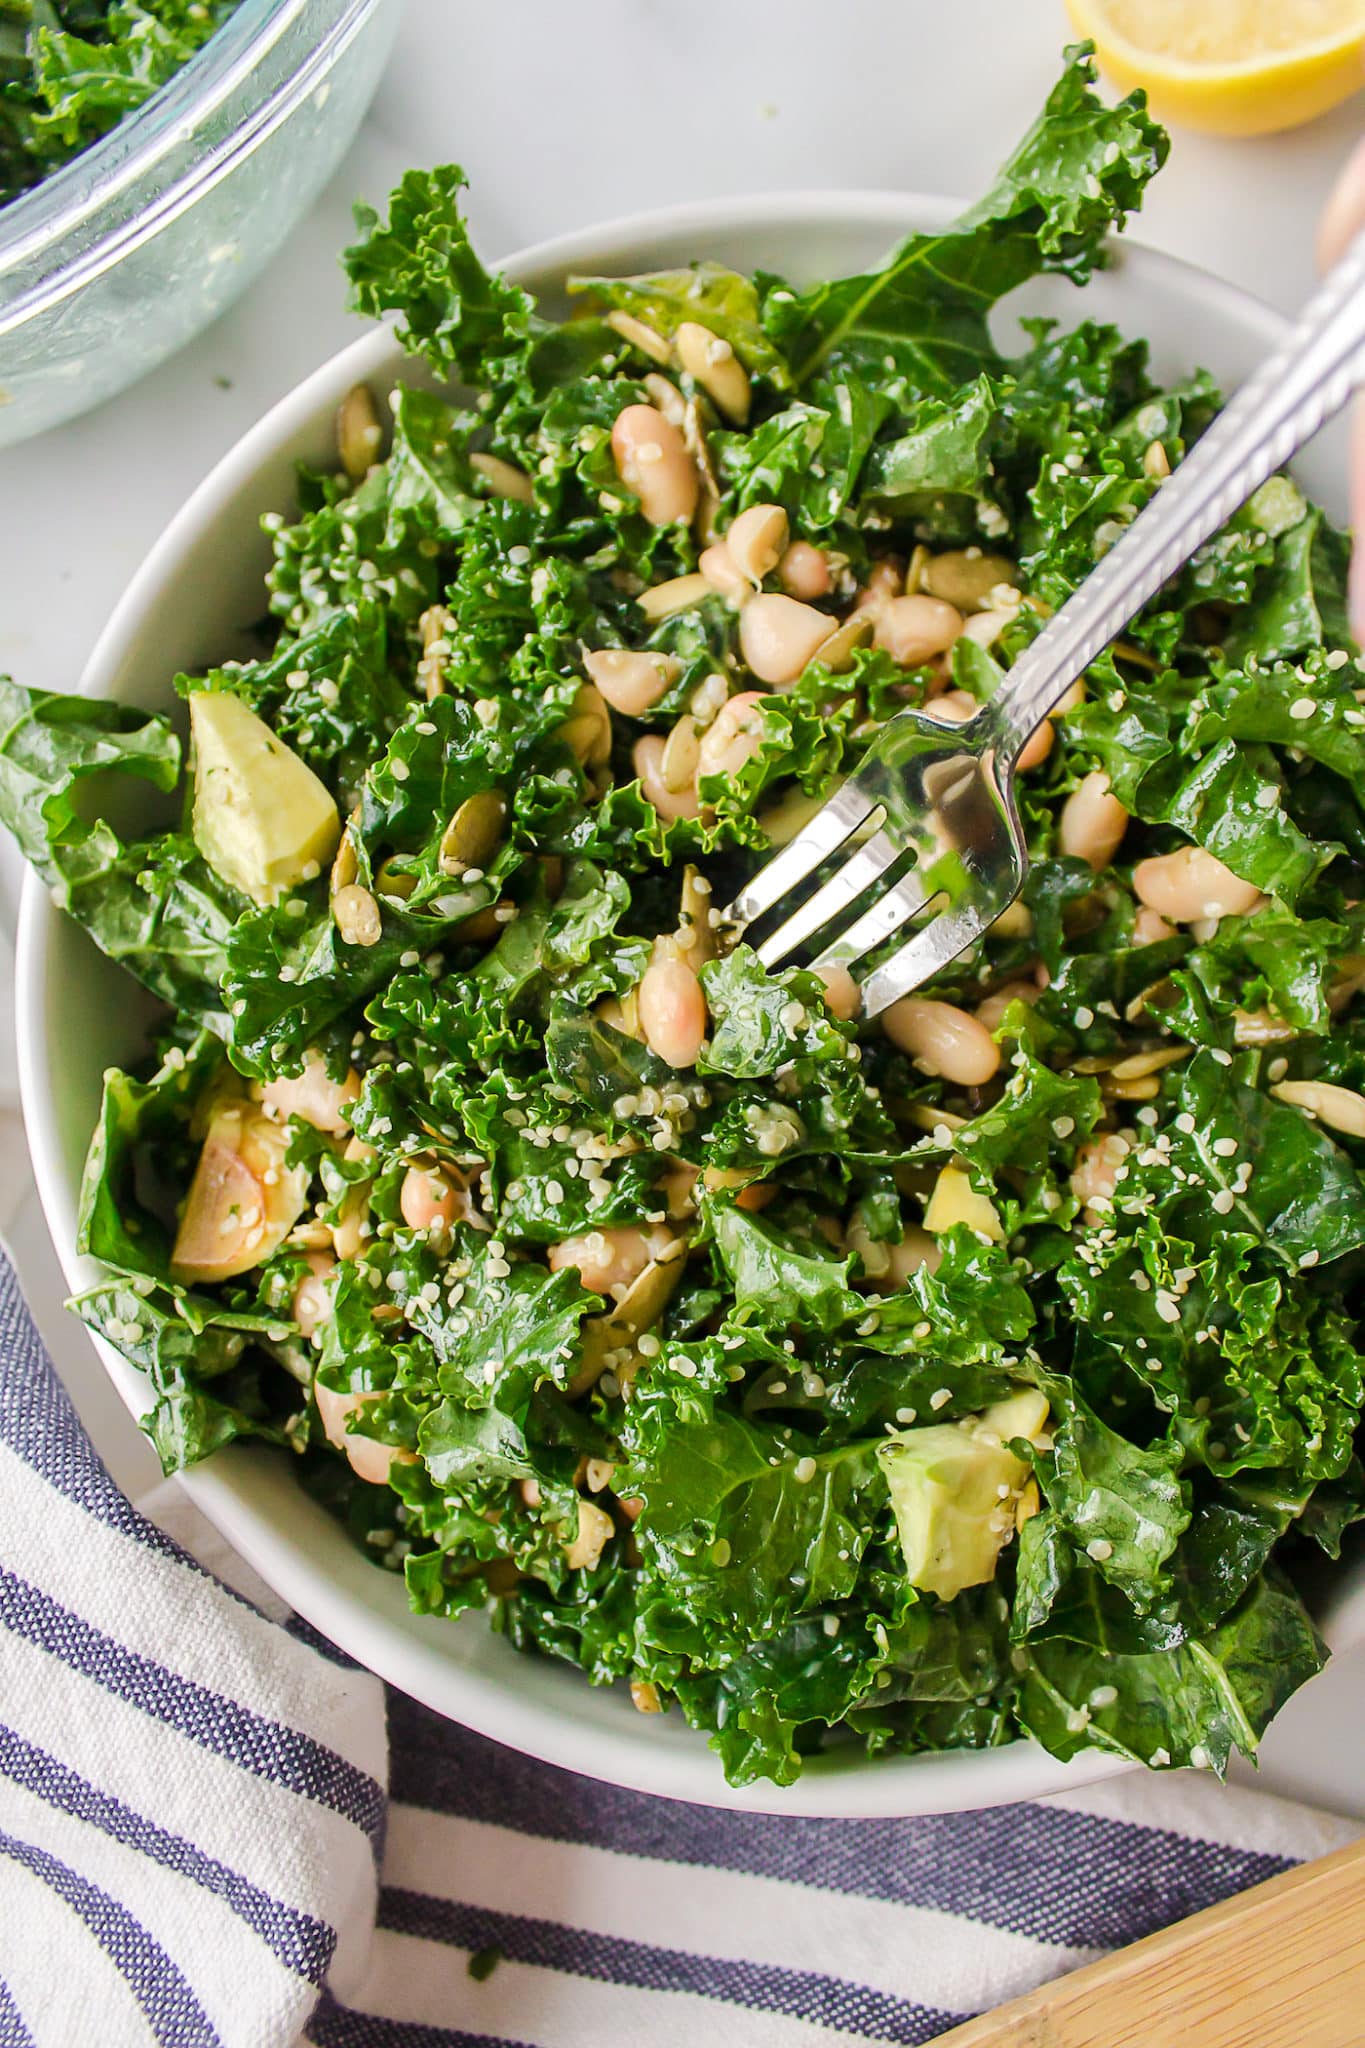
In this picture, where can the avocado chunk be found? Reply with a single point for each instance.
(262, 820)
(956, 1491)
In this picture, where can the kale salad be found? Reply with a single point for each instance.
(988, 1368)
(70, 70)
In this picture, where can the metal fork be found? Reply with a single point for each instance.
(938, 800)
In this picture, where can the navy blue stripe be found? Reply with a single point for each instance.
(1108, 1882)
(313, 1639)
(39, 1424)
(832, 2002)
(338, 2026)
(302, 1942)
(266, 1748)
(173, 2013)
(13, 2032)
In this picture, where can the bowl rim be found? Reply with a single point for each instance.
(223, 1488)
(51, 216)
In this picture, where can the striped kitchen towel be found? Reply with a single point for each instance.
(211, 1836)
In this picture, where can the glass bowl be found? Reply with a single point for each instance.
(125, 253)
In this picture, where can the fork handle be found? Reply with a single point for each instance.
(1299, 388)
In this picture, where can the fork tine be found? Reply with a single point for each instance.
(940, 941)
(825, 833)
(842, 889)
(881, 922)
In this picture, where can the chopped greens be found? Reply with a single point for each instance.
(992, 1368)
(70, 70)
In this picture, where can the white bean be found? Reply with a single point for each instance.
(369, 1459)
(1095, 1174)
(314, 1096)
(986, 627)
(632, 682)
(943, 1040)
(652, 460)
(804, 571)
(913, 630)
(843, 996)
(756, 540)
(1092, 823)
(724, 574)
(779, 635)
(885, 581)
(734, 737)
(1037, 746)
(954, 707)
(610, 1258)
(672, 1011)
(1190, 884)
(427, 1199)
(1149, 927)
(990, 1012)
(648, 760)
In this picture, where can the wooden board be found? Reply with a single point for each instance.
(1279, 1966)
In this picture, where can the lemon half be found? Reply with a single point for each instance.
(1231, 67)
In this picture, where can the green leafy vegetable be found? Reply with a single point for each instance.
(71, 69)
(658, 1302)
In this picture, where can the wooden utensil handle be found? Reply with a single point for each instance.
(1279, 1966)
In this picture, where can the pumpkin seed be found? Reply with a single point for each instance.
(359, 433)
(926, 1118)
(639, 1308)
(392, 882)
(646, 339)
(694, 920)
(481, 925)
(914, 574)
(434, 626)
(967, 580)
(678, 594)
(1260, 1027)
(473, 832)
(665, 396)
(682, 751)
(356, 915)
(1014, 922)
(504, 480)
(1341, 1108)
(346, 866)
(1139, 1065)
(837, 651)
(1145, 1090)
(694, 434)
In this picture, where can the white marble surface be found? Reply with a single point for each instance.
(563, 115)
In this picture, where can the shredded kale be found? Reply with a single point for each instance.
(935, 1412)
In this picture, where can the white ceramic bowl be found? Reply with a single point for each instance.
(78, 1013)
